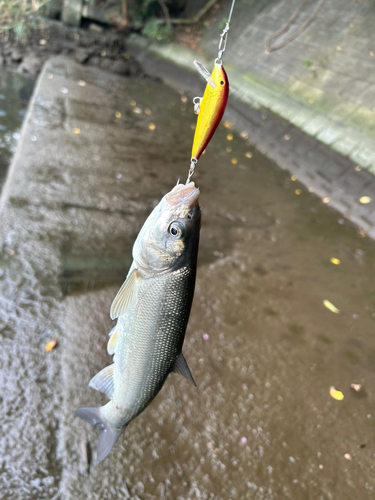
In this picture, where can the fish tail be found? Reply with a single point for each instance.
(107, 435)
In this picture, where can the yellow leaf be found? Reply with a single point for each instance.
(365, 199)
(335, 261)
(338, 395)
(51, 345)
(331, 307)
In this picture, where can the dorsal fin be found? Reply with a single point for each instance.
(104, 381)
(125, 295)
(112, 340)
(180, 366)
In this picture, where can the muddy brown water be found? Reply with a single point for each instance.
(262, 347)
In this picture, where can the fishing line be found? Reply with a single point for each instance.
(215, 96)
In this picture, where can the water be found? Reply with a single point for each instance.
(262, 347)
(15, 93)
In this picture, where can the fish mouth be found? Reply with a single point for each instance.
(183, 194)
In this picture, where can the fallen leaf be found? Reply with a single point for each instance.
(51, 345)
(338, 395)
(331, 307)
(365, 199)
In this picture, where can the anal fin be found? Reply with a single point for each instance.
(104, 381)
(180, 366)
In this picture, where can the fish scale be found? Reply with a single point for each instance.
(162, 316)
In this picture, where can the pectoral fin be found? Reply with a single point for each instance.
(206, 75)
(104, 381)
(112, 340)
(125, 295)
(180, 366)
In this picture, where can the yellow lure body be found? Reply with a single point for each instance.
(212, 108)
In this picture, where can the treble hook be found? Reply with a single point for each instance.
(197, 104)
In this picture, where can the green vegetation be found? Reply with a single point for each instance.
(16, 15)
(152, 17)
(222, 24)
(154, 29)
(307, 63)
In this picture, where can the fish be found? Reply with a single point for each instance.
(211, 106)
(152, 309)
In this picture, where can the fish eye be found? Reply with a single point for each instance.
(222, 82)
(176, 230)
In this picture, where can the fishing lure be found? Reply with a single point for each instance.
(210, 108)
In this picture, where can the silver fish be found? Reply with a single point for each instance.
(153, 307)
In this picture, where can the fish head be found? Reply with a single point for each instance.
(169, 237)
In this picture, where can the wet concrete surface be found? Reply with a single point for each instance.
(262, 347)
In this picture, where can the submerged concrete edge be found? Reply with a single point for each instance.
(5, 191)
(249, 90)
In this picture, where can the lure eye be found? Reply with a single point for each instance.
(176, 230)
(222, 82)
